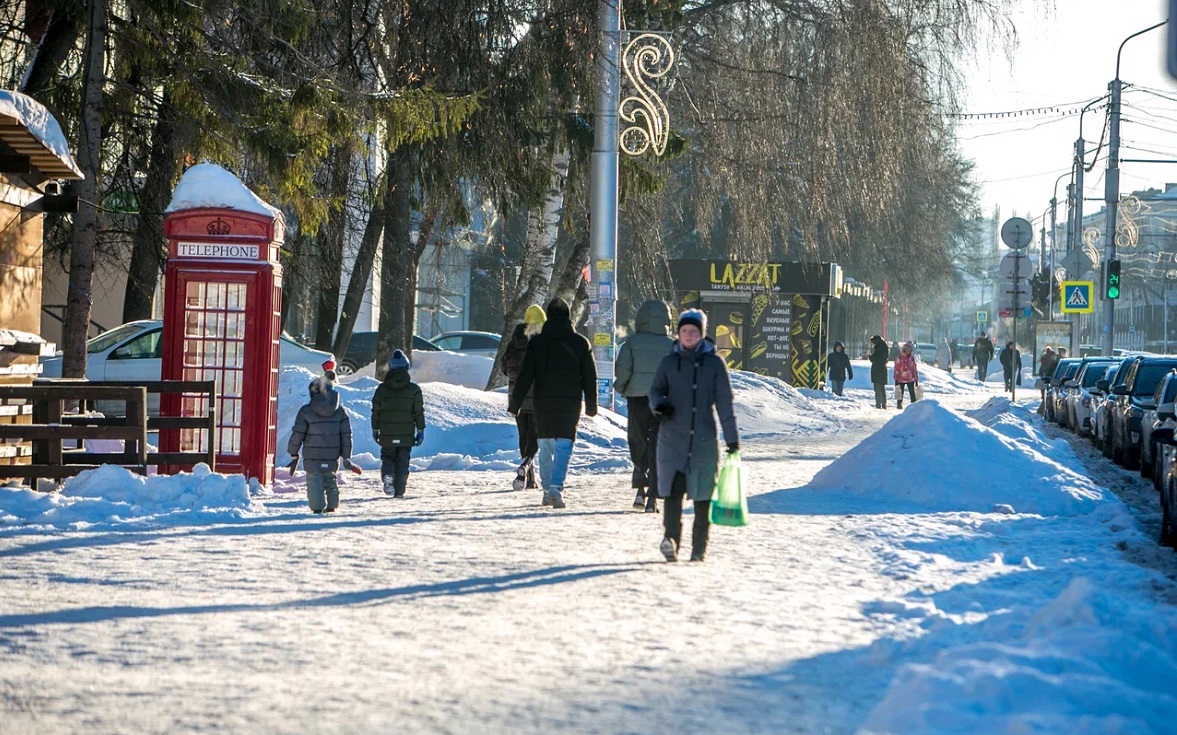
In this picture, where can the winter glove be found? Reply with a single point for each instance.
(419, 439)
(293, 464)
(663, 411)
(733, 447)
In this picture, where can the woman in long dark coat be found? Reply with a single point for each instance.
(690, 387)
(879, 355)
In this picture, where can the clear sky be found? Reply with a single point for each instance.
(1065, 57)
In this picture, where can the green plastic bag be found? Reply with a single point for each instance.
(729, 506)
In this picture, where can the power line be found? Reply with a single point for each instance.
(1066, 108)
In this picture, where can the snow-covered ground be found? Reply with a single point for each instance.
(954, 568)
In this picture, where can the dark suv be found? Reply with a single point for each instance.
(361, 351)
(1138, 380)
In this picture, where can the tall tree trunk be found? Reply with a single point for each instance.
(79, 300)
(331, 238)
(53, 48)
(362, 268)
(396, 263)
(539, 258)
(169, 138)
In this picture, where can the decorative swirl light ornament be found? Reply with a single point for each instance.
(646, 57)
(1127, 231)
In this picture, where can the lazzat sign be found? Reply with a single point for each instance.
(744, 276)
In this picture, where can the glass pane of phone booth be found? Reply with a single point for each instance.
(214, 349)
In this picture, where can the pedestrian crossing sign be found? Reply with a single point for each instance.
(1078, 297)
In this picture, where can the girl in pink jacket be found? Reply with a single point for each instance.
(906, 374)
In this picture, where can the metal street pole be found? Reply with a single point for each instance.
(1111, 195)
(602, 286)
(1111, 198)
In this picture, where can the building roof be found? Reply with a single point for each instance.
(30, 130)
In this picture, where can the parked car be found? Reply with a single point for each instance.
(133, 351)
(1160, 415)
(1164, 436)
(1132, 397)
(1101, 400)
(926, 351)
(361, 351)
(474, 343)
(1056, 390)
(1078, 400)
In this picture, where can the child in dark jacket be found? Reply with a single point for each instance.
(322, 432)
(840, 368)
(398, 423)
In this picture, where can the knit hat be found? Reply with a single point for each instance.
(558, 308)
(535, 315)
(696, 317)
(319, 385)
(398, 361)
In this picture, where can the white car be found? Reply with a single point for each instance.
(472, 343)
(1078, 402)
(133, 351)
(926, 351)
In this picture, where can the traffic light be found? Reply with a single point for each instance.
(1111, 280)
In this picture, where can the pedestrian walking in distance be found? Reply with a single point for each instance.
(944, 355)
(559, 365)
(398, 423)
(1011, 365)
(879, 355)
(637, 362)
(907, 374)
(512, 363)
(690, 388)
(840, 368)
(322, 435)
(1047, 362)
(982, 354)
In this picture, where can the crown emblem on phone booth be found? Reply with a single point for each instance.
(219, 227)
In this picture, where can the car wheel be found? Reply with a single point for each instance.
(1168, 533)
(1158, 477)
(1145, 467)
(1117, 449)
(1106, 445)
(347, 367)
(1131, 458)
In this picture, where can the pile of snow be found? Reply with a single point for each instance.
(937, 459)
(112, 495)
(1089, 660)
(442, 366)
(933, 380)
(770, 406)
(466, 429)
(207, 185)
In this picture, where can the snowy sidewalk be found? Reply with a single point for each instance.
(467, 608)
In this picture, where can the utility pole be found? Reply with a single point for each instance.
(1053, 247)
(1111, 199)
(1111, 190)
(602, 286)
(1077, 237)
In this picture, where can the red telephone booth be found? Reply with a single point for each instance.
(222, 317)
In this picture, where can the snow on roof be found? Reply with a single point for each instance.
(207, 185)
(37, 120)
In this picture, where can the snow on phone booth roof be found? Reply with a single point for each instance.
(222, 318)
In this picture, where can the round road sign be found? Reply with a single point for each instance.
(1017, 233)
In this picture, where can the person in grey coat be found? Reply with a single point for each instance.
(690, 387)
(322, 433)
(637, 361)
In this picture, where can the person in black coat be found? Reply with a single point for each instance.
(879, 355)
(511, 364)
(840, 369)
(1011, 365)
(559, 365)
